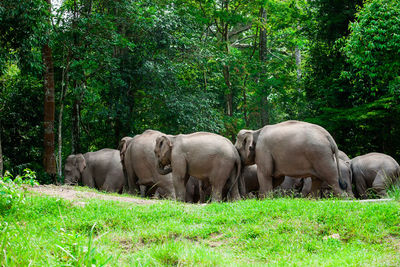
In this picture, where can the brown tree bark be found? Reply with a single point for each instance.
(49, 111)
(49, 160)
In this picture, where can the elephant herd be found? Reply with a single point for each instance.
(292, 157)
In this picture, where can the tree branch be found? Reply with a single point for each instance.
(240, 30)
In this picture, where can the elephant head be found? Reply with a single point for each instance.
(74, 166)
(162, 151)
(246, 145)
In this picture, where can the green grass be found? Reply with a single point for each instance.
(46, 231)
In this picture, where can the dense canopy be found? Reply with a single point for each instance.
(121, 67)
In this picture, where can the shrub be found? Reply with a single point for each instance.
(12, 191)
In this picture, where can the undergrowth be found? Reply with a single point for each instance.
(43, 231)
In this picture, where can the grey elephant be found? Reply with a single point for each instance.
(140, 166)
(197, 190)
(101, 169)
(206, 156)
(325, 190)
(343, 156)
(249, 176)
(374, 171)
(290, 186)
(292, 148)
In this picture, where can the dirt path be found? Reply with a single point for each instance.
(70, 193)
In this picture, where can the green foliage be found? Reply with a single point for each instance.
(372, 49)
(12, 192)
(122, 67)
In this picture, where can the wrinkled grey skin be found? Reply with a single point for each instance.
(376, 171)
(197, 190)
(292, 148)
(325, 190)
(140, 167)
(101, 169)
(249, 175)
(291, 186)
(343, 156)
(206, 156)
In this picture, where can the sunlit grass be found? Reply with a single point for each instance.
(278, 231)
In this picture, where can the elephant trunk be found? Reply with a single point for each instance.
(162, 170)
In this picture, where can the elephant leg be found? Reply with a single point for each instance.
(264, 175)
(316, 187)
(361, 186)
(131, 180)
(87, 180)
(307, 184)
(108, 187)
(142, 190)
(219, 177)
(233, 186)
(202, 194)
(179, 185)
(157, 194)
(216, 193)
(277, 181)
(327, 171)
(179, 177)
(380, 184)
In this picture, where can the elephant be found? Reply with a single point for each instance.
(325, 190)
(101, 169)
(139, 163)
(249, 175)
(374, 171)
(343, 156)
(206, 156)
(197, 190)
(290, 186)
(291, 148)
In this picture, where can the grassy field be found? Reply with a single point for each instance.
(44, 231)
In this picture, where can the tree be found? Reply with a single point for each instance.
(372, 49)
(49, 160)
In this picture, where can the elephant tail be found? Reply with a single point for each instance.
(335, 150)
(238, 179)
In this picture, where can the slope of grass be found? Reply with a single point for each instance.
(45, 231)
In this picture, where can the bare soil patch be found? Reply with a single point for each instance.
(71, 194)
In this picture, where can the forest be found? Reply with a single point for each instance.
(78, 75)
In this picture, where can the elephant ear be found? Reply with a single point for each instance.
(80, 162)
(123, 144)
(350, 173)
(248, 142)
(164, 141)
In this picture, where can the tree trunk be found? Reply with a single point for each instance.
(1, 154)
(49, 160)
(297, 55)
(263, 35)
(75, 128)
(64, 89)
(246, 119)
(263, 56)
(229, 96)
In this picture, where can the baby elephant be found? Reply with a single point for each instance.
(374, 170)
(101, 169)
